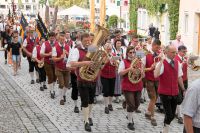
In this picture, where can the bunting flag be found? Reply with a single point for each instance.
(41, 28)
(23, 25)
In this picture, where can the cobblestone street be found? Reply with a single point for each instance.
(24, 108)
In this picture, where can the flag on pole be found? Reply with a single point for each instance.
(23, 25)
(41, 28)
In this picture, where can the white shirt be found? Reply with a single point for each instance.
(34, 54)
(2, 26)
(191, 103)
(149, 46)
(176, 43)
(180, 72)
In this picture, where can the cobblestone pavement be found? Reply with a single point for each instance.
(67, 121)
(18, 113)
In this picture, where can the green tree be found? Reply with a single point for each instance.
(113, 21)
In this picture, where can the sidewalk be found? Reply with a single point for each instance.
(67, 121)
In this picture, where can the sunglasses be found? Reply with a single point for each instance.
(131, 52)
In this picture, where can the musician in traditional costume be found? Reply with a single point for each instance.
(170, 75)
(86, 88)
(49, 66)
(182, 59)
(60, 54)
(132, 91)
(29, 43)
(39, 64)
(150, 61)
(108, 76)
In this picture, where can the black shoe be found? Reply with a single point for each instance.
(90, 121)
(32, 82)
(44, 86)
(87, 127)
(106, 110)
(62, 102)
(130, 126)
(41, 88)
(64, 97)
(37, 81)
(52, 94)
(141, 100)
(110, 107)
(138, 111)
(180, 120)
(76, 110)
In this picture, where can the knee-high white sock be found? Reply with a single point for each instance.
(64, 91)
(85, 114)
(32, 75)
(50, 86)
(90, 110)
(75, 103)
(61, 94)
(105, 101)
(110, 100)
(53, 86)
(166, 128)
(178, 109)
(130, 117)
(37, 75)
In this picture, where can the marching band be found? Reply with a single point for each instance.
(118, 65)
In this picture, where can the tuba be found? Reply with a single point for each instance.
(191, 62)
(136, 75)
(99, 57)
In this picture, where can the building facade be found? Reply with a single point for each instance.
(189, 24)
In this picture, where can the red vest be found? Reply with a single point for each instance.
(48, 49)
(82, 54)
(108, 71)
(150, 74)
(126, 84)
(184, 67)
(31, 44)
(38, 48)
(168, 81)
(61, 64)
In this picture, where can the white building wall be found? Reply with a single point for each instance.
(189, 26)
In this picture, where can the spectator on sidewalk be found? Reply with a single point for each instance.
(191, 108)
(176, 43)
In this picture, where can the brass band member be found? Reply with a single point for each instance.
(60, 54)
(46, 52)
(181, 58)
(132, 92)
(39, 61)
(108, 75)
(151, 82)
(86, 88)
(170, 74)
(29, 43)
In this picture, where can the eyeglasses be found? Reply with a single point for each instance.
(131, 52)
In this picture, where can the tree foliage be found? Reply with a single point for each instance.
(154, 7)
(113, 21)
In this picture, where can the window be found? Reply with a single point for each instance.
(28, 7)
(3, 6)
(6, 0)
(34, 7)
(97, 1)
(26, 0)
(142, 19)
(33, 1)
(186, 23)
